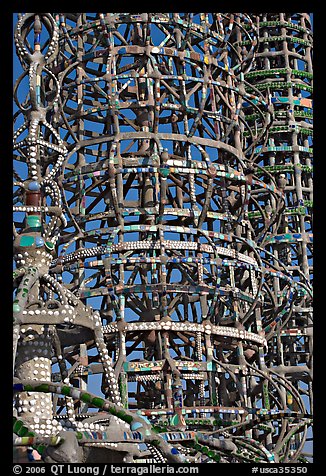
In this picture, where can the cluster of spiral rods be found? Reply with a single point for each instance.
(163, 237)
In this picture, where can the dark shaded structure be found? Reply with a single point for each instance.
(163, 214)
